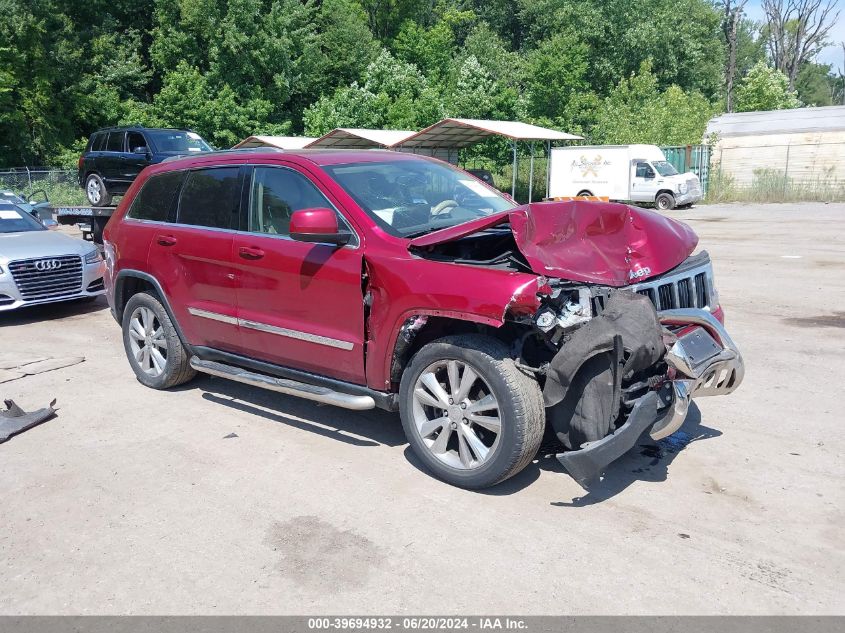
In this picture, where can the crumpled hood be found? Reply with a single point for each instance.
(595, 242)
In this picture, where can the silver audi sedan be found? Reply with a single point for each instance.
(41, 266)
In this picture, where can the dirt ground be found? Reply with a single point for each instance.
(219, 498)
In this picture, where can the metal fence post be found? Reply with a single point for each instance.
(786, 172)
(531, 173)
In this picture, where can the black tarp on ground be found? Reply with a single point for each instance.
(15, 420)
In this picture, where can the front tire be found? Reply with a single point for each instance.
(152, 344)
(470, 415)
(665, 202)
(96, 192)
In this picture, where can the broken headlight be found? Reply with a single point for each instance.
(569, 309)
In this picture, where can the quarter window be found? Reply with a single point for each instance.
(210, 198)
(276, 193)
(156, 198)
(98, 143)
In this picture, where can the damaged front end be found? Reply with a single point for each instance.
(621, 327)
(622, 369)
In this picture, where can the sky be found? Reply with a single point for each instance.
(830, 55)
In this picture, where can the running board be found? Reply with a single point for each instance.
(283, 385)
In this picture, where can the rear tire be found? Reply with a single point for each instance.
(96, 192)
(665, 202)
(474, 454)
(584, 194)
(152, 344)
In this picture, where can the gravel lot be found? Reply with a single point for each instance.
(137, 501)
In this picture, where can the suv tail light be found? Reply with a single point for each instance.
(79, 162)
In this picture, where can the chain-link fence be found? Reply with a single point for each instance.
(61, 186)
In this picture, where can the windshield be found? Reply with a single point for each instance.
(8, 196)
(15, 220)
(665, 168)
(408, 198)
(178, 142)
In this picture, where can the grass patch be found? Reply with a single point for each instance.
(773, 185)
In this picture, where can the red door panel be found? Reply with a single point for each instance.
(194, 267)
(300, 305)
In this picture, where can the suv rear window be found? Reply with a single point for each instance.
(209, 198)
(156, 198)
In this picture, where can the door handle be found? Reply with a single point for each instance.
(249, 252)
(166, 240)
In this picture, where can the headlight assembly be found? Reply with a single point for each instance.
(92, 257)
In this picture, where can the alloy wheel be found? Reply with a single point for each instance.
(93, 190)
(147, 341)
(456, 414)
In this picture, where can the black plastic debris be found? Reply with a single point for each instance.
(15, 420)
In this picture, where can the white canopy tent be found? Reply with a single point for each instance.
(281, 142)
(359, 138)
(457, 133)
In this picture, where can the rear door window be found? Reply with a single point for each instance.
(115, 143)
(210, 198)
(157, 197)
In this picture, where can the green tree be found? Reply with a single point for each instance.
(765, 88)
(556, 75)
(637, 111)
(814, 85)
(681, 38)
(394, 95)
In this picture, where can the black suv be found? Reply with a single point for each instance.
(115, 156)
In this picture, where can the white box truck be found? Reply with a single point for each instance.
(636, 173)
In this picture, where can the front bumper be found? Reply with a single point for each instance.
(704, 361)
(92, 286)
(690, 197)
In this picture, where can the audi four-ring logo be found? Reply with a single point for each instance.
(48, 264)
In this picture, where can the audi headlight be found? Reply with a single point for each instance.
(92, 257)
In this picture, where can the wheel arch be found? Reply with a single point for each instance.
(132, 282)
(421, 328)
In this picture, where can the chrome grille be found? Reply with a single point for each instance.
(685, 288)
(47, 277)
(694, 186)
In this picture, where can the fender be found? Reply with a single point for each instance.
(119, 303)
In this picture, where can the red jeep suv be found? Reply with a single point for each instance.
(382, 279)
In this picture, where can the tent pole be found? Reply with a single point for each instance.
(513, 181)
(531, 173)
(548, 166)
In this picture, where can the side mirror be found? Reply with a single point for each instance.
(317, 225)
(140, 150)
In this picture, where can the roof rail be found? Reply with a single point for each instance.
(225, 152)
